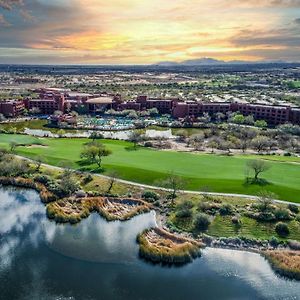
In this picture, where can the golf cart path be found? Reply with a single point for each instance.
(146, 186)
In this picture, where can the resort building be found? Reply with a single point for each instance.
(12, 108)
(53, 99)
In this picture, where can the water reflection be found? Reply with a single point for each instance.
(99, 241)
(98, 260)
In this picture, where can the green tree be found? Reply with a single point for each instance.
(94, 151)
(257, 166)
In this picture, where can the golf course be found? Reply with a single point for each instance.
(215, 173)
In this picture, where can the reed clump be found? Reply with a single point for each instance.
(73, 210)
(160, 246)
(284, 262)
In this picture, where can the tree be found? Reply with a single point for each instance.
(246, 136)
(249, 120)
(258, 167)
(38, 162)
(260, 143)
(68, 183)
(135, 137)
(174, 183)
(61, 133)
(213, 145)
(265, 200)
(96, 135)
(261, 123)
(94, 151)
(238, 119)
(13, 145)
(112, 177)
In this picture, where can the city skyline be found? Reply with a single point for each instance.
(147, 32)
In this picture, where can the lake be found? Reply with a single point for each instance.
(99, 260)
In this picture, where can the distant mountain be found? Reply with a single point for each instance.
(206, 61)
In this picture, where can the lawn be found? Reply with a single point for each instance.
(200, 171)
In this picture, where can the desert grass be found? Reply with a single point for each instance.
(73, 210)
(160, 246)
(285, 262)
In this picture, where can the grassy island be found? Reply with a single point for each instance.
(73, 210)
(159, 246)
(285, 263)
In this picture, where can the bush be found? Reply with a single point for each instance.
(274, 242)
(201, 222)
(87, 179)
(235, 220)
(150, 196)
(184, 213)
(44, 179)
(293, 208)
(282, 214)
(148, 144)
(282, 229)
(226, 209)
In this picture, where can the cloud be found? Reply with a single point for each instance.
(146, 31)
(3, 21)
(297, 21)
(10, 4)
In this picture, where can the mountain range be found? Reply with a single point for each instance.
(211, 61)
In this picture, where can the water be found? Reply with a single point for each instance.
(99, 260)
(117, 135)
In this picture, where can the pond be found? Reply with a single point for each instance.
(118, 135)
(99, 260)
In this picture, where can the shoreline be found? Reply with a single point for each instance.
(164, 235)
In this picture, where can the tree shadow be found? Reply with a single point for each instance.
(258, 181)
(131, 148)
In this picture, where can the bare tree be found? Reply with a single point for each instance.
(135, 137)
(174, 183)
(258, 167)
(265, 200)
(113, 175)
(260, 143)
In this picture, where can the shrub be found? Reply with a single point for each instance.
(293, 208)
(282, 214)
(274, 242)
(150, 196)
(87, 179)
(282, 229)
(184, 213)
(201, 222)
(235, 220)
(44, 179)
(148, 144)
(226, 209)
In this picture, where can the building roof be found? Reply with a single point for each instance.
(100, 100)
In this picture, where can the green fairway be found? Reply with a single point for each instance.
(201, 171)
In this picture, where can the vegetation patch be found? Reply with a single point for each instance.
(159, 246)
(45, 195)
(285, 263)
(73, 210)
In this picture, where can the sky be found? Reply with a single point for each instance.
(147, 31)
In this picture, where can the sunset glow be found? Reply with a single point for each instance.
(148, 31)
